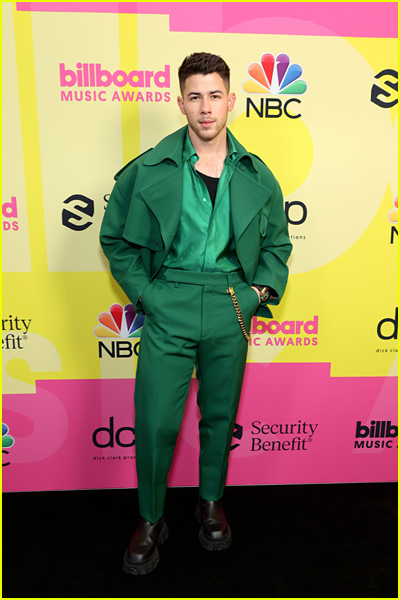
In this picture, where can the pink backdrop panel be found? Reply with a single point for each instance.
(296, 424)
(379, 19)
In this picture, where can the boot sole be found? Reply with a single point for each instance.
(211, 544)
(150, 563)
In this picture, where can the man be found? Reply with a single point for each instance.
(196, 236)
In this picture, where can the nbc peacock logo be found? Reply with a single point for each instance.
(7, 440)
(393, 214)
(119, 322)
(275, 76)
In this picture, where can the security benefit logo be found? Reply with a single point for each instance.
(376, 434)
(237, 435)
(14, 332)
(78, 212)
(384, 93)
(6, 443)
(282, 437)
(119, 327)
(274, 77)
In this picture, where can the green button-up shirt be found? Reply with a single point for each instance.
(204, 240)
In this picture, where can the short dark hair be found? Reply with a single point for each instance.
(203, 63)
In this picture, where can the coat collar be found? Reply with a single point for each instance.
(170, 148)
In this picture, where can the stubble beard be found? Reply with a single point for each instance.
(208, 135)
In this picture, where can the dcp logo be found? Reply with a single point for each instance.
(387, 328)
(296, 212)
(119, 437)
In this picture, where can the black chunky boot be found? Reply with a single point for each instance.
(142, 556)
(215, 533)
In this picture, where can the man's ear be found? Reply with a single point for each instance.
(181, 105)
(231, 101)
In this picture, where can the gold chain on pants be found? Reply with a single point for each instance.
(232, 294)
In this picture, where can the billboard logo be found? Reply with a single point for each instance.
(377, 433)
(381, 96)
(91, 76)
(280, 332)
(9, 211)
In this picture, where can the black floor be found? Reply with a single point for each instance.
(316, 541)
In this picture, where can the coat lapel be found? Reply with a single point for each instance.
(164, 199)
(248, 197)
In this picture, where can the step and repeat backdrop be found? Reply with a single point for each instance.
(86, 88)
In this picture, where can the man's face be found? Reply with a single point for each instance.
(206, 104)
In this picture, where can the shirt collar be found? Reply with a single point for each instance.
(173, 147)
(189, 152)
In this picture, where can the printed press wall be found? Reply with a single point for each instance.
(87, 87)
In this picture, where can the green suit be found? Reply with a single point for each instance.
(190, 319)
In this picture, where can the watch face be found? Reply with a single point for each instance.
(265, 294)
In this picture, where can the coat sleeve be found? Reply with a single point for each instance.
(276, 247)
(125, 258)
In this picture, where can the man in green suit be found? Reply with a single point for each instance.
(196, 236)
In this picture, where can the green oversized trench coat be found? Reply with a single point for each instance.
(143, 212)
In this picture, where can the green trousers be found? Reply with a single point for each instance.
(190, 321)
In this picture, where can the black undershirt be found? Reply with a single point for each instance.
(212, 184)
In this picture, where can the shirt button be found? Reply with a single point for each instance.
(204, 199)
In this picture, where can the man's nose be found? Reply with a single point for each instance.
(206, 107)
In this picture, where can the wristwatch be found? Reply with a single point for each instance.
(264, 292)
